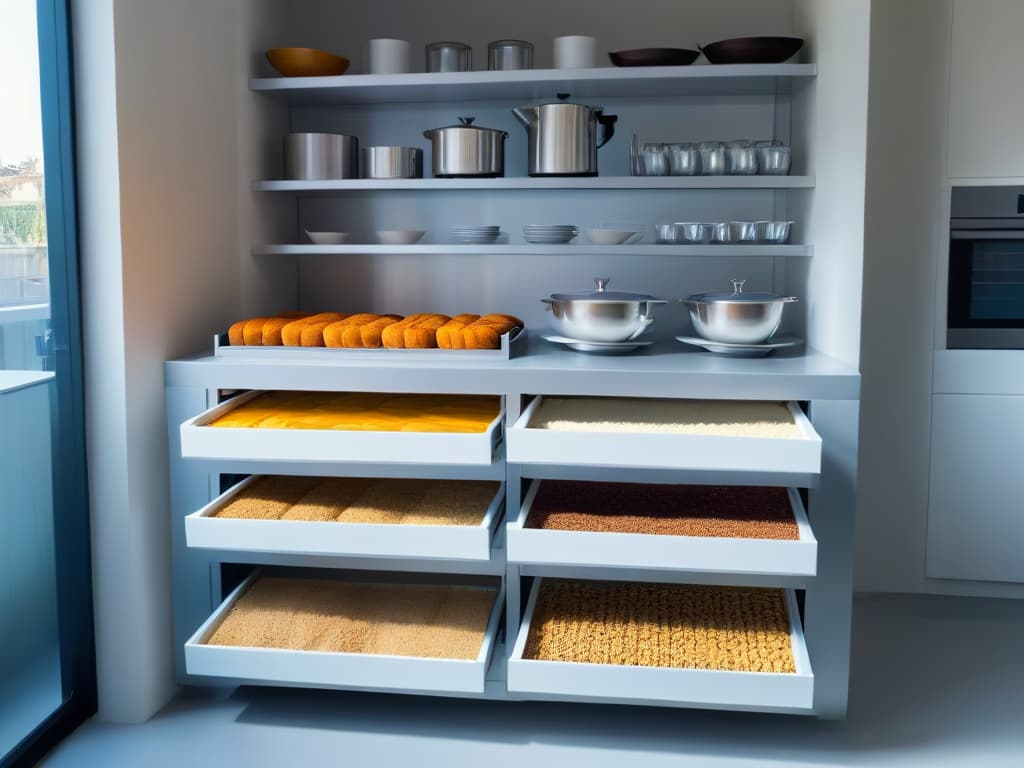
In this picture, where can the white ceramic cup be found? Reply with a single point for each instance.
(389, 57)
(575, 52)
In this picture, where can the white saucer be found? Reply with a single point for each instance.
(606, 347)
(742, 350)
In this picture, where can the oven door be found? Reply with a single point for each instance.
(986, 289)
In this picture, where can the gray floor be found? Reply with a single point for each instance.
(935, 682)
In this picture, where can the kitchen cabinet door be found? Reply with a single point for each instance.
(986, 93)
(975, 512)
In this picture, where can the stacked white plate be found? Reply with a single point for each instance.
(550, 234)
(476, 235)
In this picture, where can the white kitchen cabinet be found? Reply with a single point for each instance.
(986, 95)
(975, 518)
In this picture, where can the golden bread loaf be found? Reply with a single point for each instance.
(272, 328)
(291, 334)
(482, 333)
(252, 331)
(370, 333)
(415, 332)
(236, 334)
(334, 333)
(449, 335)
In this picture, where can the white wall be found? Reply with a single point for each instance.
(164, 144)
(904, 242)
(830, 128)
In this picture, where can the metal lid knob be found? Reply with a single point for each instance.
(602, 283)
(737, 286)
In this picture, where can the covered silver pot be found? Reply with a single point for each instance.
(737, 317)
(467, 150)
(601, 315)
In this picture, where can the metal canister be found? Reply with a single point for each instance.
(449, 57)
(510, 54)
(310, 156)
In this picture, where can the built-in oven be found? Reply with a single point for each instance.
(985, 308)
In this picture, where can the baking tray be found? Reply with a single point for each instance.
(512, 345)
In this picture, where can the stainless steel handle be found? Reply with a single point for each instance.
(737, 286)
(602, 283)
(987, 234)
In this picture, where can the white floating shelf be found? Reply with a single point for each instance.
(540, 182)
(600, 82)
(703, 554)
(526, 249)
(664, 686)
(321, 669)
(204, 530)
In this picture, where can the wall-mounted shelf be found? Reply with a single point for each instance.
(602, 82)
(527, 249)
(551, 182)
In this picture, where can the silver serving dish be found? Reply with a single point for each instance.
(667, 234)
(773, 231)
(741, 158)
(737, 317)
(743, 231)
(774, 158)
(694, 232)
(601, 315)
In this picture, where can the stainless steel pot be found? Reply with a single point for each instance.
(601, 315)
(737, 317)
(449, 57)
(392, 163)
(309, 156)
(467, 150)
(510, 54)
(563, 137)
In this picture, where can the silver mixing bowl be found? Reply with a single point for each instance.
(737, 317)
(601, 315)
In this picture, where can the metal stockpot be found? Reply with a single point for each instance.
(309, 156)
(601, 315)
(737, 317)
(563, 137)
(392, 163)
(467, 150)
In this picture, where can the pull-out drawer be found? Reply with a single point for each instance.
(242, 664)
(586, 436)
(636, 683)
(796, 556)
(201, 440)
(207, 530)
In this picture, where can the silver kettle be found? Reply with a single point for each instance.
(564, 137)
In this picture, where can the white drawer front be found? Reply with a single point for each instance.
(336, 670)
(666, 451)
(206, 531)
(200, 441)
(680, 553)
(664, 686)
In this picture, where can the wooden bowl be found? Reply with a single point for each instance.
(306, 62)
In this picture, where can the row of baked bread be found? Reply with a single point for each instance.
(369, 331)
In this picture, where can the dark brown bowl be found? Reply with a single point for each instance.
(654, 57)
(752, 50)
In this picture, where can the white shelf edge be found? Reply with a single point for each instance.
(529, 249)
(481, 85)
(760, 181)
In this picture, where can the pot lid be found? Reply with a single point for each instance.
(736, 295)
(564, 102)
(467, 122)
(602, 294)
